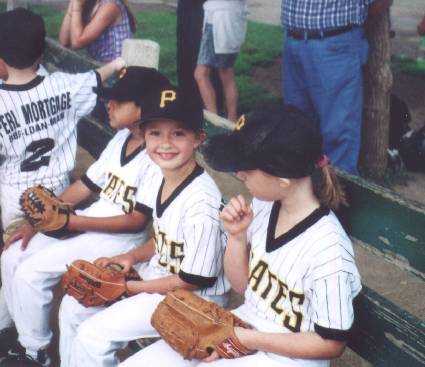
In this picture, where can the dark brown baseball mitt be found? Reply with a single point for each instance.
(45, 211)
(92, 285)
(195, 327)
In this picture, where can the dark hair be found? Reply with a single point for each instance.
(22, 36)
(327, 188)
(90, 4)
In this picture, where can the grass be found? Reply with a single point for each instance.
(262, 46)
(403, 64)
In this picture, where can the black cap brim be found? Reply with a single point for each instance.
(223, 153)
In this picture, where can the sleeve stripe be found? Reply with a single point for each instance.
(333, 334)
(198, 280)
(90, 184)
(142, 208)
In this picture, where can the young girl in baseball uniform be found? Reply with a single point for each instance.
(286, 251)
(186, 250)
(113, 224)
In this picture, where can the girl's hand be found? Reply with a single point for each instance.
(243, 336)
(237, 216)
(119, 63)
(24, 232)
(125, 260)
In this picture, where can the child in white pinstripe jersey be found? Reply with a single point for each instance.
(286, 252)
(186, 250)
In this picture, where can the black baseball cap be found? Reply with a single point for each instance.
(22, 36)
(173, 103)
(134, 84)
(277, 139)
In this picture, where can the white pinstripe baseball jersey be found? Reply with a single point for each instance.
(38, 127)
(120, 180)
(189, 239)
(304, 280)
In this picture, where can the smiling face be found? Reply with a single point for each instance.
(170, 145)
(123, 114)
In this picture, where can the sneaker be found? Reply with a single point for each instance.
(17, 357)
(8, 340)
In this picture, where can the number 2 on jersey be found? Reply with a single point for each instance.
(37, 157)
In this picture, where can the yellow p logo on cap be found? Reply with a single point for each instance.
(240, 123)
(167, 95)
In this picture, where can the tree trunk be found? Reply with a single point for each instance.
(377, 88)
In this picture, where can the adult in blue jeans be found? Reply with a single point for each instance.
(324, 50)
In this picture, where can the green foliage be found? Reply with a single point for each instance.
(52, 18)
(403, 64)
(262, 46)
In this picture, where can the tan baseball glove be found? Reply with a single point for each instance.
(92, 285)
(195, 327)
(45, 211)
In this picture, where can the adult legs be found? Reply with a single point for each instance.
(202, 76)
(336, 85)
(227, 76)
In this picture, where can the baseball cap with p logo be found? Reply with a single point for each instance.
(134, 84)
(171, 103)
(278, 139)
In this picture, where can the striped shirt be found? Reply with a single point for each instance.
(38, 127)
(109, 45)
(189, 239)
(320, 15)
(301, 281)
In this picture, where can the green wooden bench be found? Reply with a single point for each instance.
(384, 333)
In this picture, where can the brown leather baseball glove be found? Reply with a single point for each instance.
(45, 211)
(92, 285)
(195, 327)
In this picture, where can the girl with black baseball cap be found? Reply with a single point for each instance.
(286, 252)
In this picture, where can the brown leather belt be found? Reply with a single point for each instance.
(315, 35)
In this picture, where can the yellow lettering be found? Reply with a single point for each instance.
(257, 274)
(240, 123)
(167, 96)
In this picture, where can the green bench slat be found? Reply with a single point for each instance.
(386, 335)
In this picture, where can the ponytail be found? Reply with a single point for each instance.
(327, 188)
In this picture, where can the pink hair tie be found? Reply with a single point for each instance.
(324, 161)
